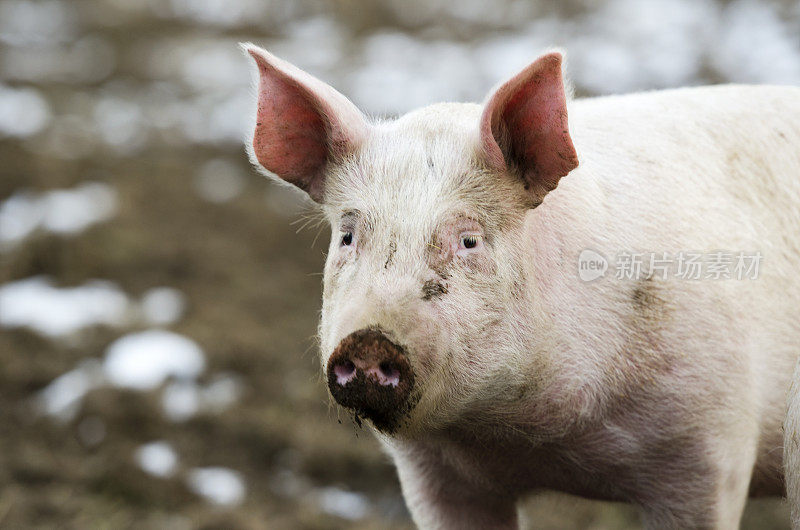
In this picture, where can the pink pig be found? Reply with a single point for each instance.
(457, 320)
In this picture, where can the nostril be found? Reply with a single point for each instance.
(344, 371)
(391, 375)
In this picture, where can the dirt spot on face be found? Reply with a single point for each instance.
(433, 289)
(390, 257)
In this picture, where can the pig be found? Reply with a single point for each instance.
(456, 323)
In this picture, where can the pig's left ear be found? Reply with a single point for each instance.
(524, 128)
(302, 124)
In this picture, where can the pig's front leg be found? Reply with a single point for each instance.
(714, 498)
(440, 498)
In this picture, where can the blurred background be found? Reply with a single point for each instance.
(158, 298)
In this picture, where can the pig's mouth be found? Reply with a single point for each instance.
(371, 375)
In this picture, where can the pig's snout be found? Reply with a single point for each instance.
(371, 375)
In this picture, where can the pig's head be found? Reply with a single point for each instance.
(425, 281)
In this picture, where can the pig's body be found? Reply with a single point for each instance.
(666, 393)
(455, 319)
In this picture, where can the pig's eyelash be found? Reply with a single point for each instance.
(472, 239)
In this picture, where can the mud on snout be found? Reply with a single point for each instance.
(371, 375)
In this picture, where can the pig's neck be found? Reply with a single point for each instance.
(510, 459)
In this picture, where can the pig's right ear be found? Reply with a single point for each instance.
(302, 124)
(524, 130)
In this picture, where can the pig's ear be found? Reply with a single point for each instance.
(524, 128)
(302, 124)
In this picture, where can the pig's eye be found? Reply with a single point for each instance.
(347, 239)
(469, 243)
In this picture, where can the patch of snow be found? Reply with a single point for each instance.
(218, 485)
(72, 211)
(162, 306)
(23, 112)
(157, 458)
(219, 181)
(20, 215)
(55, 312)
(63, 396)
(344, 504)
(181, 400)
(65, 211)
(146, 359)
